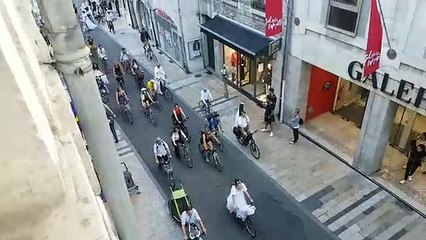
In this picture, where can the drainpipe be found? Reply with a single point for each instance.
(72, 60)
(287, 45)
(185, 62)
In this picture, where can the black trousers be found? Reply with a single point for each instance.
(295, 135)
(112, 128)
(411, 168)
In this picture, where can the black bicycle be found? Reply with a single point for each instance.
(127, 113)
(249, 141)
(151, 115)
(149, 54)
(167, 94)
(206, 108)
(185, 154)
(211, 156)
(168, 169)
(182, 126)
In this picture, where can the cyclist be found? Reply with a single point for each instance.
(121, 98)
(103, 56)
(214, 122)
(191, 216)
(161, 152)
(206, 97)
(139, 74)
(146, 99)
(206, 140)
(236, 201)
(243, 124)
(92, 46)
(178, 116)
(118, 72)
(145, 38)
(125, 58)
(178, 137)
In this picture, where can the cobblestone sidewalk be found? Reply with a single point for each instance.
(150, 206)
(347, 203)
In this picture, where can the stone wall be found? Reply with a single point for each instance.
(241, 12)
(47, 181)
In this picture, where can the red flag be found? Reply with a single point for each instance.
(374, 42)
(274, 17)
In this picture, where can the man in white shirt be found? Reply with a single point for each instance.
(191, 216)
(159, 77)
(161, 152)
(206, 96)
(243, 123)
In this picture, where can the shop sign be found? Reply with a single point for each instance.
(274, 46)
(164, 15)
(274, 17)
(405, 92)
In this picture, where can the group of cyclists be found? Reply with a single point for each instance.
(162, 151)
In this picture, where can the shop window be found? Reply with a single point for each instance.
(343, 15)
(258, 5)
(351, 101)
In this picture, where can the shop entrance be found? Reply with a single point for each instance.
(252, 76)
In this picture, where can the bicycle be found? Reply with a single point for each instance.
(157, 105)
(249, 141)
(167, 94)
(127, 114)
(149, 54)
(185, 154)
(183, 127)
(151, 114)
(168, 169)
(205, 107)
(212, 156)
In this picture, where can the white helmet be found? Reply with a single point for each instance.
(143, 89)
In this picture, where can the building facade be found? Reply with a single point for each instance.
(173, 27)
(192, 33)
(324, 77)
(48, 184)
(233, 39)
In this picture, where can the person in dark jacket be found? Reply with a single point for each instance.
(417, 152)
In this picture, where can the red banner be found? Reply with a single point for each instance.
(274, 17)
(374, 41)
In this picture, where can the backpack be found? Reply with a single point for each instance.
(301, 122)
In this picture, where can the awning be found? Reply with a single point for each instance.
(238, 37)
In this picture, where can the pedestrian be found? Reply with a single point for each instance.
(295, 123)
(417, 152)
(421, 139)
(109, 19)
(269, 116)
(111, 116)
(117, 8)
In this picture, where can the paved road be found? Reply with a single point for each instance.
(278, 215)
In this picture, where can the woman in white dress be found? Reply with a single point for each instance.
(237, 200)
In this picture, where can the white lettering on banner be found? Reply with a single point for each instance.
(273, 23)
(372, 58)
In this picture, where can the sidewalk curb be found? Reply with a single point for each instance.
(142, 162)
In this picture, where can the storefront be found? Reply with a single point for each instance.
(246, 55)
(345, 99)
(132, 13)
(145, 18)
(169, 40)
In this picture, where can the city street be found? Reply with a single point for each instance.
(278, 215)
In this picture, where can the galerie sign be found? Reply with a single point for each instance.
(403, 91)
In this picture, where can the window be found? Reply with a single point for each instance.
(259, 5)
(343, 15)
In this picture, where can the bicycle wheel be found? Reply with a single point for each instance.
(152, 117)
(159, 106)
(254, 149)
(220, 146)
(171, 178)
(168, 94)
(250, 227)
(189, 161)
(129, 117)
(217, 162)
